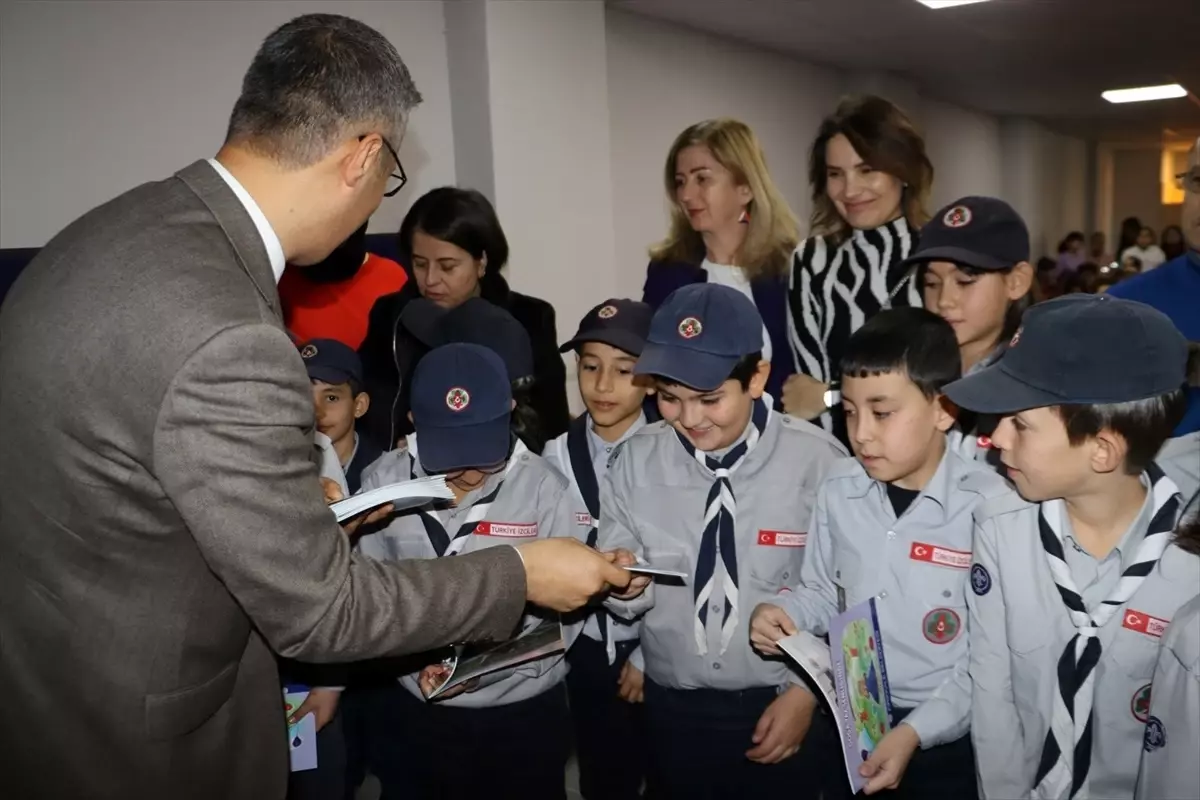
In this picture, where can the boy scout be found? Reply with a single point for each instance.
(507, 736)
(1073, 587)
(726, 486)
(896, 525)
(605, 678)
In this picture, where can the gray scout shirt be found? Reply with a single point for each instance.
(915, 567)
(653, 504)
(1020, 626)
(620, 630)
(1171, 744)
(534, 503)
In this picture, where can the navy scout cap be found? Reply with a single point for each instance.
(981, 232)
(699, 334)
(331, 361)
(1081, 349)
(461, 405)
(623, 324)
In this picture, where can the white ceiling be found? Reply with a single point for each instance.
(1048, 59)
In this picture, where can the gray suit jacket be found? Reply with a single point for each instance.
(162, 529)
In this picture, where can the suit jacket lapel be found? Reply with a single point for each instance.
(233, 218)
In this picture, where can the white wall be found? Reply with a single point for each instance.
(99, 96)
(663, 78)
(964, 147)
(1137, 188)
(562, 112)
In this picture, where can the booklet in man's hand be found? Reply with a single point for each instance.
(852, 676)
(302, 734)
(541, 641)
(403, 495)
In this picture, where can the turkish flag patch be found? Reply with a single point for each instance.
(1144, 623)
(782, 539)
(510, 530)
(942, 556)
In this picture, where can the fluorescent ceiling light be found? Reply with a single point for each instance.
(1168, 92)
(936, 4)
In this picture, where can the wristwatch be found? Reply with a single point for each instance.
(833, 395)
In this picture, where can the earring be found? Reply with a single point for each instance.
(744, 217)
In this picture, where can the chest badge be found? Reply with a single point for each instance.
(1139, 704)
(1142, 622)
(941, 625)
(1156, 735)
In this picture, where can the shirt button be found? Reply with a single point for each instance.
(716, 665)
(891, 534)
(716, 609)
(882, 595)
(787, 575)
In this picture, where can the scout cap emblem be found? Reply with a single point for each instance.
(309, 351)
(607, 312)
(957, 217)
(457, 399)
(690, 327)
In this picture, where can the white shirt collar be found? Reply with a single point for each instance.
(270, 240)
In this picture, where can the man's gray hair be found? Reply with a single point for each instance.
(316, 81)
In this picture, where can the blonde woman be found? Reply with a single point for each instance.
(729, 225)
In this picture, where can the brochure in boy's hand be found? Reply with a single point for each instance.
(852, 675)
(406, 494)
(545, 639)
(302, 734)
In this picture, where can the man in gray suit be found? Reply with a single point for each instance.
(162, 528)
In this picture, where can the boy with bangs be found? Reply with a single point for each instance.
(1073, 586)
(725, 486)
(896, 525)
(605, 678)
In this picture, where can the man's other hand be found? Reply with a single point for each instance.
(565, 574)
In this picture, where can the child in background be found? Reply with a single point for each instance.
(1172, 737)
(605, 678)
(975, 274)
(896, 524)
(339, 399)
(1073, 586)
(726, 486)
(508, 735)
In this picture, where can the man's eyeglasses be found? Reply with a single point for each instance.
(1189, 181)
(398, 177)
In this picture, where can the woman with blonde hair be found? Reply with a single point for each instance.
(729, 225)
(870, 180)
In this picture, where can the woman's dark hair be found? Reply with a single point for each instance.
(1187, 534)
(463, 217)
(1130, 228)
(525, 422)
(914, 341)
(1143, 424)
(884, 138)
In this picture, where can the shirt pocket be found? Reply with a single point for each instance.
(669, 521)
(776, 555)
(1135, 653)
(847, 572)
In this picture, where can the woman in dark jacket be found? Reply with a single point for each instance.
(729, 225)
(456, 249)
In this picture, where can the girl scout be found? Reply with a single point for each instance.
(509, 735)
(1073, 587)
(725, 486)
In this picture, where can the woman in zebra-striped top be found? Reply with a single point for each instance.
(870, 178)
